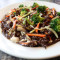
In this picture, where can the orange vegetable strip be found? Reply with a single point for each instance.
(46, 33)
(53, 9)
(14, 24)
(51, 16)
(23, 43)
(14, 18)
(37, 27)
(47, 8)
(49, 37)
(0, 21)
(19, 16)
(7, 15)
(34, 8)
(39, 35)
(12, 10)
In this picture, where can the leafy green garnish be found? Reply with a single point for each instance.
(34, 5)
(28, 21)
(41, 9)
(23, 12)
(36, 18)
(55, 24)
(21, 5)
(58, 13)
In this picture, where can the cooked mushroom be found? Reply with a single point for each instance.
(20, 28)
(15, 39)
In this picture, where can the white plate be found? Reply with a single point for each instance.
(28, 52)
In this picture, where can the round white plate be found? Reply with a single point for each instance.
(28, 52)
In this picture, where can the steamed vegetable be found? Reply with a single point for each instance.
(23, 12)
(21, 5)
(34, 8)
(55, 24)
(28, 21)
(52, 31)
(41, 9)
(58, 13)
(24, 15)
(34, 5)
(36, 18)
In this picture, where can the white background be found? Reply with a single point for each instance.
(4, 3)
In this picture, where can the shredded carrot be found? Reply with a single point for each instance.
(49, 38)
(34, 8)
(46, 33)
(10, 13)
(23, 43)
(14, 24)
(0, 21)
(39, 35)
(14, 18)
(53, 9)
(47, 8)
(13, 10)
(7, 15)
(51, 16)
(19, 16)
(37, 27)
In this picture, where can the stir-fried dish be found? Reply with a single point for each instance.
(32, 26)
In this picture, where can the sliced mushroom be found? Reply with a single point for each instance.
(15, 39)
(19, 28)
